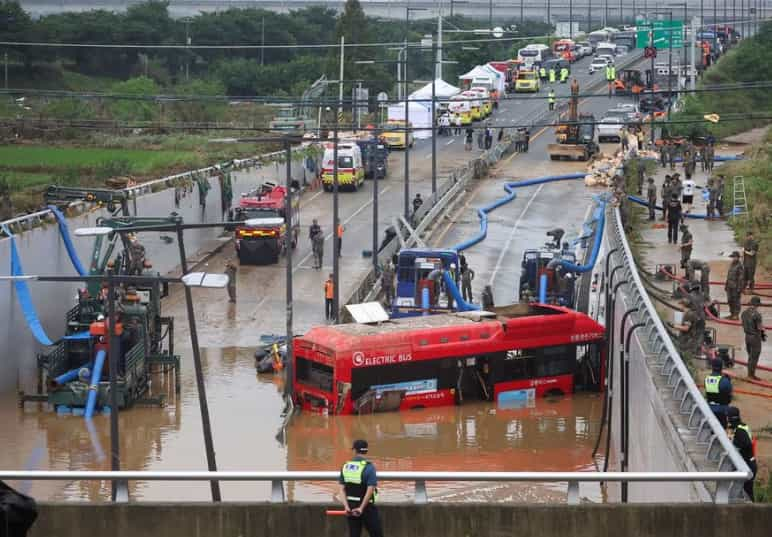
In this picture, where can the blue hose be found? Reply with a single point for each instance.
(65, 233)
(425, 301)
(463, 305)
(543, 289)
(23, 294)
(70, 375)
(601, 218)
(482, 213)
(93, 389)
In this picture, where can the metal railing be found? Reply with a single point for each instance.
(278, 479)
(693, 412)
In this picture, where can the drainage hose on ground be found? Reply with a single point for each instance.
(93, 388)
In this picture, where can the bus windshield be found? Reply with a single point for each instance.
(248, 213)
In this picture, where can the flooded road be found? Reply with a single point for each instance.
(554, 434)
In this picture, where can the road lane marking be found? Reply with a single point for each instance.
(450, 142)
(512, 234)
(344, 222)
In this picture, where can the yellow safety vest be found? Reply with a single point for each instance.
(352, 473)
(711, 383)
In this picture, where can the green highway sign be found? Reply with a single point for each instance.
(662, 34)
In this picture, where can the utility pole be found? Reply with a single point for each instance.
(570, 19)
(290, 218)
(434, 124)
(589, 17)
(115, 444)
(438, 55)
(187, 44)
(490, 14)
(669, 68)
(693, 73)
(335, 188)
(5, 63)
(262, 40)
(407, 117)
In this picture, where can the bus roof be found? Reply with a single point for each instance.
(513, 326)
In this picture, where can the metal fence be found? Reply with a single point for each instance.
(421, 495)
(694, 420)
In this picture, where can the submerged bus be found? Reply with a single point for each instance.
(521, 351)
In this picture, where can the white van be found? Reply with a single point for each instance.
(351, 171)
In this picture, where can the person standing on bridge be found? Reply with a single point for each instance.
(329, 298)
(231, 270)
(718, 391)
(359, 490)
(734, 286)
(743, 441)
(750, 249)
(753, 327)
(339, 239)
(651, 196)
(551, 99)
(467, 275)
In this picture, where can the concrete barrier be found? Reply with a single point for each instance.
(434, 520)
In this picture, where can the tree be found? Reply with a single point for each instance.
(16, 26)
(134, 109)
(352, 25)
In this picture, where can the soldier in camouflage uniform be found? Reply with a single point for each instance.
(651, 196)
(136, 256)
(694, 265)
(687, 242)
(689, 340)
(750, 249)
(734, 286)
(231, 270)
(754, 334)
(666, 195)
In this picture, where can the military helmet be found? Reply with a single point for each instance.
(755, 301)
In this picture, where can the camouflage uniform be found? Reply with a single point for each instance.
(467, 275)
(694, 265)
(651, 196)
(734, 286)
(230, 271)
(750, 252)
(387, 282)
(686, 245)
(136, 258)
(754, 334)
(689, 341)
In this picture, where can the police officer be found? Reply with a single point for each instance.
(687, 242)
(542, 72)
(551, 99)
(651, 196)
(611, 75)
(563, 75)
(359, 488)
(718, 391)
(487, 298)
(387, 282)
(754, 334)
(467, 275)
(673, 218)
(750, 249)
(734, 286)
(689, 340)
(743, 441)
(231, 271)
(552, 75)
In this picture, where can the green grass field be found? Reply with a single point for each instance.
(34, 158)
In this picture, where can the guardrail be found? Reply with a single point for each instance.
(28, 221)
(693, 412)
(277, 479)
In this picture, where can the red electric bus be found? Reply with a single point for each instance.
(516, 352)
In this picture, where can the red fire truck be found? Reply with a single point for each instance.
(522, 351)
(261, 224)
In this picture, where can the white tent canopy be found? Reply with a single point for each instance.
(442, 91)
(485, 71)
(420, 117)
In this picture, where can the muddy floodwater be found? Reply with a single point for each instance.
(550, 435)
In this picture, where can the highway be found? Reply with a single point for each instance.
(245, 408)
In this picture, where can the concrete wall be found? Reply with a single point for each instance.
(433, 520)
(42, 252)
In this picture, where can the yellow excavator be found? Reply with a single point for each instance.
(575, 137)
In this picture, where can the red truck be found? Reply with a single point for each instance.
(261, 224)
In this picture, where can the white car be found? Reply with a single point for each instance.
(622, 50)
(598, 64)
(584, 49)
(610, 129)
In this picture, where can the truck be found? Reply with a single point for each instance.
(288, 121)
(575, 138)
(260, 224)
(375, 155)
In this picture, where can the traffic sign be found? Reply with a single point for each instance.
(662, 34)
(650, 52)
